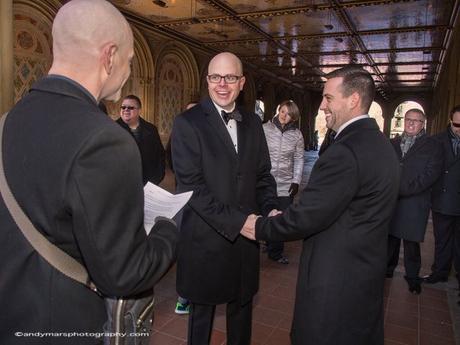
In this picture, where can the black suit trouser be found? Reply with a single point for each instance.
(412, 258)
(275, 249)
(446, 231)
(239, 323)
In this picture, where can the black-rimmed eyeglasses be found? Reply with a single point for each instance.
(229, 78)
(127, 107)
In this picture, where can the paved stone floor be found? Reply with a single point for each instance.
(431, 318)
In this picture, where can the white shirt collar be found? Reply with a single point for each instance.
(219, 109)
(349, 122)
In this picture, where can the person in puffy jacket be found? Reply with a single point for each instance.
(286, 146)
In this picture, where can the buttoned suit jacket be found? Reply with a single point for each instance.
(77, 176)
(215, 263)
(343, 216)
(420, 168)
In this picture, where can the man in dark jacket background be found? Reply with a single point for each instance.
(147, 139)
(446, 204)
(421, 161)
(77, 176)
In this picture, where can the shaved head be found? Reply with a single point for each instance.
(84, 26)
(91, 42)
(228, 59)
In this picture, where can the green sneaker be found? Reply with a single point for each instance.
(182, 308)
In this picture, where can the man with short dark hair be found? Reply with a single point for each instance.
(147, 139)
(421, 161)
(342, 217)
(445, 199)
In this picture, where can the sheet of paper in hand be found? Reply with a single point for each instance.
(159, 202)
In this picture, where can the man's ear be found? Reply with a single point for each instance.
(354, 100)
(242, 81)
(108, 57)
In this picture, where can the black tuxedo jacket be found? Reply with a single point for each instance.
(343, 216)
(215, 263)
(77, 176)
(446, 191)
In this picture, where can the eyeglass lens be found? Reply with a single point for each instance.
(127, 107)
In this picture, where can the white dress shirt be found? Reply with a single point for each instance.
(231, 125)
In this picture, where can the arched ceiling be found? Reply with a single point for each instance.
(401, 42)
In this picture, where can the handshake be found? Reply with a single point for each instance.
(249, 228)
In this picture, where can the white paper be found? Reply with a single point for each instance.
(159, 202)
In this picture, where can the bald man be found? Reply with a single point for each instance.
(62, 161)
(219, 151)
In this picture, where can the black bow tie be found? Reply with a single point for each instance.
(235, 115)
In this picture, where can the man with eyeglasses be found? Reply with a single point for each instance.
(446, 205)
(219, 151)
(147, 139)
(420, 158)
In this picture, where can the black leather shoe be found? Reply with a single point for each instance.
(415, 288)
(433, 279)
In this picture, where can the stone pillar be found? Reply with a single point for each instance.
(387, 117)
(6, 56)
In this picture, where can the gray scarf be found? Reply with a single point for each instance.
(408, 141)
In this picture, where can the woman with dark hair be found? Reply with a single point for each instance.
(286, 146)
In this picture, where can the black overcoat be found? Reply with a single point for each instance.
(343, 216)
(420, 168)
(445, 196)
(151, 149)
(215, 263)
(77, 176)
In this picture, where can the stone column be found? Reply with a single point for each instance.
(387, 116)
(6, 56)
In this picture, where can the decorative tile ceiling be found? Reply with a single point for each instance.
(401, 42)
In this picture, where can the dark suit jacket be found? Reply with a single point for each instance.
(215, 263)
(151, 149)
(420, 168)
(77, 176)
(445, 196)
(343, 217)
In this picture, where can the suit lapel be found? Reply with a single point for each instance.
(243, 132)
(451, 158)
(215, 121)
(417, 145)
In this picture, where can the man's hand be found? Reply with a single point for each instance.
(293, 190)
(274, 212)
(249, 228)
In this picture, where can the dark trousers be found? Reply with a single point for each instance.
(239, 323)
(412, 258)
(446, 244)
(275, 249)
